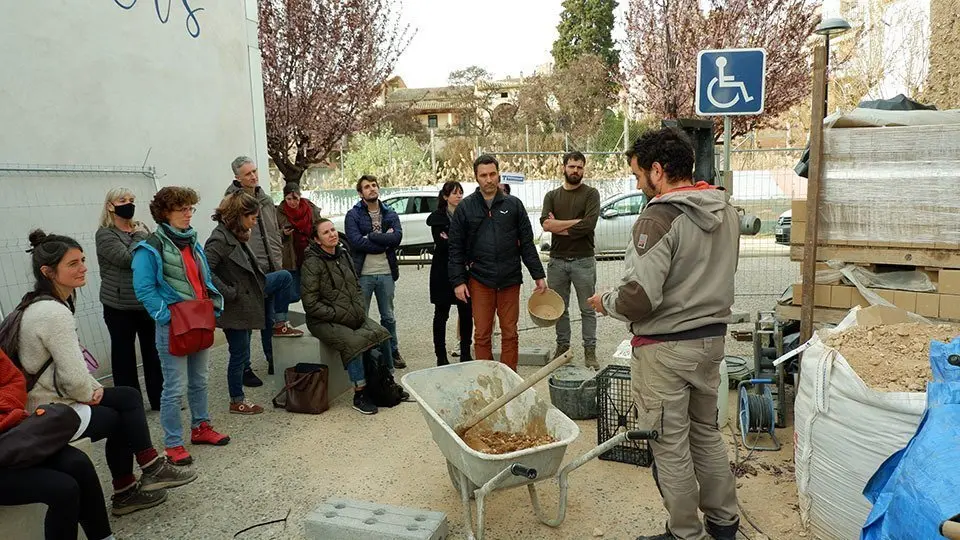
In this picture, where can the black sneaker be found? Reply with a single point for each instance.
(163, 475)
(398, 361)
(133, 499)
(250, 379)
(361, 404)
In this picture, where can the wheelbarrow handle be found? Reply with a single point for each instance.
(520, 470)
(642, 435)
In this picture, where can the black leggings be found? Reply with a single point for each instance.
(68, 484)
(125, 327)
(441, 312)
(120, 419)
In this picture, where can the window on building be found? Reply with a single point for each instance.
(432, 121)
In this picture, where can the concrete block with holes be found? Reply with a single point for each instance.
(288, 352)
(346, 519)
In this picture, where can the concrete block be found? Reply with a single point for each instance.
(345, 519)
(288, 352)
(528, 356)
(25, 522)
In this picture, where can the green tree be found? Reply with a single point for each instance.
(586, 27)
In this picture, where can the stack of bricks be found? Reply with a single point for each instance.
(943, 303)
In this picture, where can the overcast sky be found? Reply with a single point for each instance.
(506, 37)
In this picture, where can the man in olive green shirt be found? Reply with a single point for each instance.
(570, 214)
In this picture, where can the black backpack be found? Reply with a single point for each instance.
(381, 388)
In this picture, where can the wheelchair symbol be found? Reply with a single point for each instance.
(726, 81)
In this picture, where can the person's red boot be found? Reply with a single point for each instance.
(178, 455)
(204, 434)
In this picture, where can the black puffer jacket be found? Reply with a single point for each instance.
(489, 244)
(333, 302)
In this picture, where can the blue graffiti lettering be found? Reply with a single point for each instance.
(191, 21)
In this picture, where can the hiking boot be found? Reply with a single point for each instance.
(662, 536)
(250, 379)
(204, 434)
(722, 532)
(133, 499)
(178, 455)
(283, 329)
(561, 349)
(245, 407)
(590, 359)
(398, 361)
(163, 475)
(362, 405)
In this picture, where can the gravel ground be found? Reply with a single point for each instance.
(279, 462)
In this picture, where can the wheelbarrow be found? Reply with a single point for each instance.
(449, 394)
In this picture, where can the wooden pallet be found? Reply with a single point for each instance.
(820, 315)
(938, 258)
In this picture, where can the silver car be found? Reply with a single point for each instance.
(617, 216)
(413, 208)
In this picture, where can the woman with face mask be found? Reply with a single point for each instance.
(124, 315)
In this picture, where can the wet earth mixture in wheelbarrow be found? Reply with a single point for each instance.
(501, 442)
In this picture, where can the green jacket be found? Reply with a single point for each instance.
(333, 302)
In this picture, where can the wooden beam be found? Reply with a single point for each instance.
(808, 269)
(936, 258)
(820, 314)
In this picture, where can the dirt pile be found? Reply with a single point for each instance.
(501, 442)
(895, 357)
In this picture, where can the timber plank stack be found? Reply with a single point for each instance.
(890, 200)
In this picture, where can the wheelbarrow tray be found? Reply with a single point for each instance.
(443, 392)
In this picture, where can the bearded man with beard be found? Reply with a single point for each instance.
(570, 214)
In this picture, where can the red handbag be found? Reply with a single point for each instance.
(191, 326)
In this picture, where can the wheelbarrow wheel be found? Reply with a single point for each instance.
(455, 478)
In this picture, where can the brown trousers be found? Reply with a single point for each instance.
(505, 303)
(674, 385)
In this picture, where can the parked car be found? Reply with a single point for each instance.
(617, 216)
(413, 208)
(782, 230)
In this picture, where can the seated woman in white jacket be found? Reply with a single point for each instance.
(48, 347)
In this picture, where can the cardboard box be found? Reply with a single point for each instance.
(906, 300)
(841, 296)
(928, 304)
(821, 295)
(798, 211)
(949, 282)
(949, 306)
(798, 232)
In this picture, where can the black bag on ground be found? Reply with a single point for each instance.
(381, 388)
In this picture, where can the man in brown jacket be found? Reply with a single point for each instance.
(676, 297)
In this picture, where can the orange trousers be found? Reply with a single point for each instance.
(505, 303)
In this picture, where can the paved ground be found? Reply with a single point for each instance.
(279, 462)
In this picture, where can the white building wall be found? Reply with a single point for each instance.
(92, 83)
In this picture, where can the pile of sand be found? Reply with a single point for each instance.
(501, 442)
(894, 357)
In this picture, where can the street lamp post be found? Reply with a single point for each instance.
(832, 26)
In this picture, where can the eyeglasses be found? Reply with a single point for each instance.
(186, 210)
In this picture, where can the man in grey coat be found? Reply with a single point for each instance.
(266, 243)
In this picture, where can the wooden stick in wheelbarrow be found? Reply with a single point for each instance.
(514, 392)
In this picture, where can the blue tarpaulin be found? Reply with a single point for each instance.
(918, 487)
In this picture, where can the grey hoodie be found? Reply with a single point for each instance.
(266, 242)
(680, 267)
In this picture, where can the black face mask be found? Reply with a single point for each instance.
(124, 211)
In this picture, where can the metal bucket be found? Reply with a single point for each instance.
(573, 390)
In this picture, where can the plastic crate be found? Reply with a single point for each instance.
(617, 412)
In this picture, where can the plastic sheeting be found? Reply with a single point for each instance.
(917, 488)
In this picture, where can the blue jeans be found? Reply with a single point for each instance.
(238, 343)
(384, 287)
(355, 368)
(278, 283)
(281, 307)
(180, 371)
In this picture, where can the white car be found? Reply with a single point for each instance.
(413, 208)
(617, 216)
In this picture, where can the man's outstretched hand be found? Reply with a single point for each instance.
(597, 304)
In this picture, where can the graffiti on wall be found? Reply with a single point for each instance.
(190, 20)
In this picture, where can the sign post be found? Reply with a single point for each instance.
(730, 82)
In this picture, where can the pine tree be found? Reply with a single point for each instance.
(586, 27)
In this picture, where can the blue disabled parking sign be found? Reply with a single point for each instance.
(731, 82)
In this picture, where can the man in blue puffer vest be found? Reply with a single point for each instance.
(374, 234)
